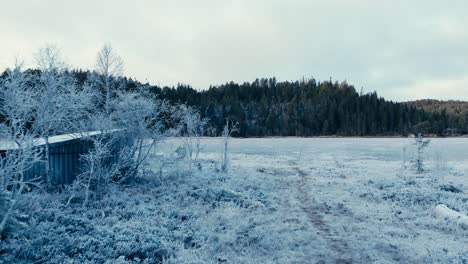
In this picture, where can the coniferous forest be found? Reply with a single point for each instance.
(266, 107)
(309, 107)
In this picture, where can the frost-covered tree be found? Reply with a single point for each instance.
(58, 102)
(421, 144)
(17, 141)
(49, 58)
(108, 65)
(16, 105)
(122, 141)
(140, 117)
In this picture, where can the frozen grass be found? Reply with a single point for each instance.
(283, 201)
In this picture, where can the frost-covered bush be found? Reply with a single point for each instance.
(139, 119)
(98, 171)
(13, 166)
(192, 127)
(226, 134)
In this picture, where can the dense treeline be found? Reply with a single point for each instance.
(308, 107)
(266, 107)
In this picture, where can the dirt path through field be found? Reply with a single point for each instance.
(314, 213)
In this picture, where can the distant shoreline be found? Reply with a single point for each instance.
(376, 137)
(356, 137)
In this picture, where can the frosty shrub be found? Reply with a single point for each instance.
(140, 120)
(229, 128)
(192, 127)
(97, 171)
(418, 161)
(13, 166)
(128, 134)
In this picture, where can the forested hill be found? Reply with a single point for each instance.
(266, 107)
(451, 106)
(457, 111)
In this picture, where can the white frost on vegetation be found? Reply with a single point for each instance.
(342, 201)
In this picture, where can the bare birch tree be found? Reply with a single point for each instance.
(108, 64)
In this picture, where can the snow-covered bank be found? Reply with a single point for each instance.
(443, 212)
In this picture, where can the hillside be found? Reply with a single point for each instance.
(456, 111)
(452, 107)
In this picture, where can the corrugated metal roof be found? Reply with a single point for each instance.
(10, 144)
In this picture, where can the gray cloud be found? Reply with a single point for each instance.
(403, 49)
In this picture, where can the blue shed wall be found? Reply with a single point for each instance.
(65, 163)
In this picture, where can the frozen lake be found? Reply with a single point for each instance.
(455, 149)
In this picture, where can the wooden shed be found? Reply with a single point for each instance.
(64, 155)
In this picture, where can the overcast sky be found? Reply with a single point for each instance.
(402, 49)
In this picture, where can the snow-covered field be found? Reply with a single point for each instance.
(284, 200)
(348, 199)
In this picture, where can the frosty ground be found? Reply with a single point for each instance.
(283, 200)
